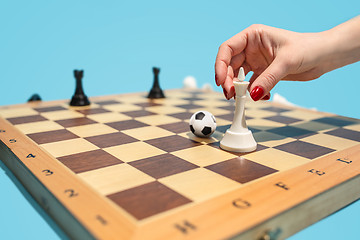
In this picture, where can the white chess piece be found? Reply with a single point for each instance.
(238, 138)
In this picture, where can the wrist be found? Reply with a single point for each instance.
(343, 44)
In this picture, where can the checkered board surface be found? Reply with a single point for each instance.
(140, 156)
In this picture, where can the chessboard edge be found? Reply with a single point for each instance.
(102, 225)
(42, 195)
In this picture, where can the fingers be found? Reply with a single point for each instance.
(261, 86)
(228, 86)
(227, 51)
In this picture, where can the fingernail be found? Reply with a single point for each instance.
(225, 93)
(267, 97)
(232, 91)
(216, 80)
(257, 93)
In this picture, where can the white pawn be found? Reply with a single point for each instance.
(190, 82)
(238, 138)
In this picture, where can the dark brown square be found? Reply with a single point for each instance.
(107, 102)
(52, 136)
(229, 117)
(223, 128)
(162, 165)
(193, 99)
(259, 147)
(336, 121)
(111, 139)
(304, 149)
(276, 109)
(345, 133)
(188, 106)
(93, 111)
(172, 143)
(128, 124)
(139, 113)
(50, 109)
(27, 119)
(150, 103)
(86, 161)
(283, 119)
(289, 131)
(230, 107)
(182, 115)
(178, 127)
(241, 170)
(148, 200)
(72, 122)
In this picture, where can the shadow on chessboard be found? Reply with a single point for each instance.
(34, 204)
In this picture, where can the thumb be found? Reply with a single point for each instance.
(262, 85)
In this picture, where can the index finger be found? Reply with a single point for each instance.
(227, 50)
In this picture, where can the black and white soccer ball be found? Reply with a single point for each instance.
(202, 124)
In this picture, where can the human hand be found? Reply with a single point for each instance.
(272, 55)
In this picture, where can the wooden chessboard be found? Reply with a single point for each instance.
(127, 167)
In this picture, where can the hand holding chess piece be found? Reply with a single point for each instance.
(238, 138)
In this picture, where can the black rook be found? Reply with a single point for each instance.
(156, 91)
(79, 98)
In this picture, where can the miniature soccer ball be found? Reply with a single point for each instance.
(202, 124)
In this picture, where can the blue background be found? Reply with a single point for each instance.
(117, 44)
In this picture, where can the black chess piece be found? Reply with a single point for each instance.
(79, 98)
(34, 97)
(156, 91)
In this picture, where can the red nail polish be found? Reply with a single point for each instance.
(232, 90)
(267, 97)
(225, 93)
(257, 93)
(216, 80)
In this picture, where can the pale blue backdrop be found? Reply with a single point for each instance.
(118, 42)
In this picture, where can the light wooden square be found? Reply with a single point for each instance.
(36, 127)
(355, 127)
(208, 103)
(165, 109)
(307, 115)
(258, 113)
(330, 141)
(17, 112)
(91, 130)
(108, 117)
(213, 110)
(68, 147)
(276, 159)
(122, 107)
(200, 184)
(178, 94)
(146, 133)
(170, 101)
(203, 155)
(115, 178)
(134, 151)
(61, 114)
(133, 99)
(212, 96)
(157, 119)
(263, 124)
